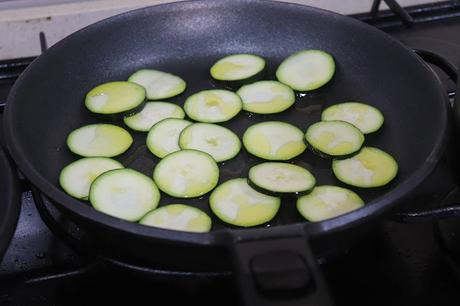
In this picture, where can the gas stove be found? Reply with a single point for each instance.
(398, 263)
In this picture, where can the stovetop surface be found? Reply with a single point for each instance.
(398, 264)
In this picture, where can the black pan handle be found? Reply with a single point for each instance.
(277, 267)
(453, 210)
(433, 58)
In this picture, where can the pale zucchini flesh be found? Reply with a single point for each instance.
(77, 177)
(334, 138)
(266, 97)
(99, 140)
(306, 70)
(186, 174)
(236, 203)
(274, 140)
(365, 117)
(212, 106)
(282, 178)
(115, 98)
(326, 202)
(178, 217)
(152, 113)
(219, 142)
(237, 67)
(163, 137)
(371, 167)
(158, 84)
(124, 193)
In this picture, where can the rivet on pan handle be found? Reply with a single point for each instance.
(277, 267)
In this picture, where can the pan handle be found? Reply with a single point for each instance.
(437, 60)
(453, 210)
(276, 268)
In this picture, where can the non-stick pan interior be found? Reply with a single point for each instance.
(185, 39)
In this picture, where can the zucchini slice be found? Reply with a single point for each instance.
(178, 217)
(238, 68)
(281, 178)
(99, 140)
(218, 141)
(365, 117)
(306, 70)
(124, 193)
(266, 97)
(371, 167)
(215, 105)
(236, 203)
(326, 202)
(76, 177)
(186, 174)
(114, 98)
(158, 84)
(274, 140)
(334, 138)
(163, 137)
(152, 113)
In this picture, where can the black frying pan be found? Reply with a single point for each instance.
(185, 38)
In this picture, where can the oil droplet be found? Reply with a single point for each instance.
(301, 94)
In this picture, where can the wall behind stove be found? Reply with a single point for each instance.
(22, 20)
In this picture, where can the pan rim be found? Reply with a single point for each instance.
(372, 210)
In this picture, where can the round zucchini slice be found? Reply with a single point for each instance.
(178, 217)
(186, 174)
(326, 202)
(334, 138)
(236, 203)
(365, 117)
(124, 193)
(99, 140)
(218, 141)
(281, 178)
(371, 167)
(238, 68)
(152, 113)
(115, 98)
(274, 140)
(215, 105)
(306, 70)
(77, 177)
(266, 97)
(163, 137)
(158, 84)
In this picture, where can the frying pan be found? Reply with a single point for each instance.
(273, 260)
